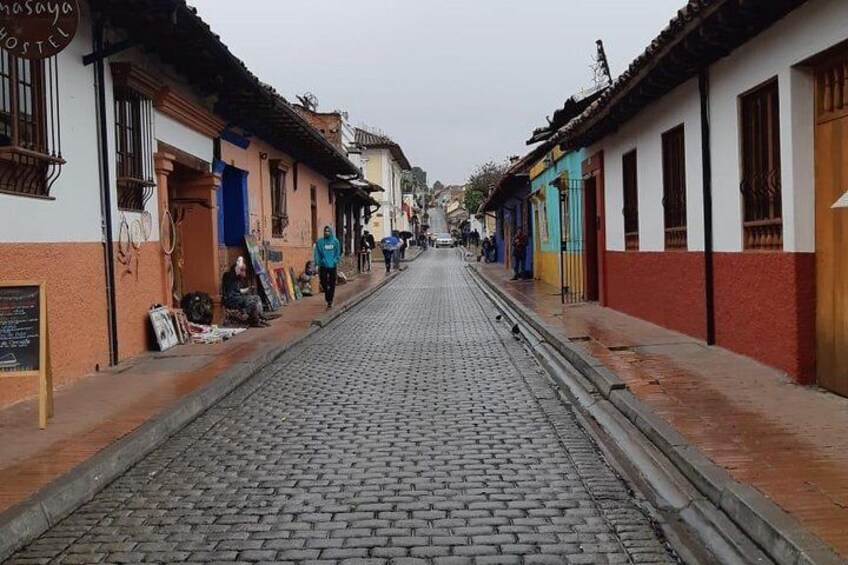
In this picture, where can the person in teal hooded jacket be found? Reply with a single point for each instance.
(328, 253)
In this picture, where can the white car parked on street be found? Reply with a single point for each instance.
(445, 240)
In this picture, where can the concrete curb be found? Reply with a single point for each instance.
(356, 300)
(29, 519)
(419, 254)
(781, 537)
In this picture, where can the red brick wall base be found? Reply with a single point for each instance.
(766, 309)
(765, 303)
(664, 288)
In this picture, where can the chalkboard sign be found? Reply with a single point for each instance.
(24, 341)
(20, 329)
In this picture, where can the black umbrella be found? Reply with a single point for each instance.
(406, 235)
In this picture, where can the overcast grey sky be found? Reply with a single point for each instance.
(455, 82)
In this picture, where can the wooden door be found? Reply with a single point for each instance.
(595, 228)
(831, 154)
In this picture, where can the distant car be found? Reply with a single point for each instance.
(445, 240)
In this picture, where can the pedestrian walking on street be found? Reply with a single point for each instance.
(519, 253)
(328, 253)
(366, 246)
(390, 245)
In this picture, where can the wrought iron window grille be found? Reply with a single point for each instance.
(631, 202)
(761, 186)
(30, 126)
(134, 144)
(279, 198)
(674, 188)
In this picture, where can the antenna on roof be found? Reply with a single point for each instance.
(308, 101)
(600, 66)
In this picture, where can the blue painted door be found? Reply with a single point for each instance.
(233, 207)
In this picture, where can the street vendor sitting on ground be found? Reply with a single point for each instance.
(241, 298)
(304, 281)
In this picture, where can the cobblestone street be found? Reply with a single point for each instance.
(415, 429)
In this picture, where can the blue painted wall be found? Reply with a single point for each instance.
(511, 213)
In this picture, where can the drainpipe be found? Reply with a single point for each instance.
(706, 158)
(105, 192)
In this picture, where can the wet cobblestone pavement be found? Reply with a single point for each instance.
(413, 430)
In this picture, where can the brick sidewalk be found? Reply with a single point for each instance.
(789, 442)
(94, 412)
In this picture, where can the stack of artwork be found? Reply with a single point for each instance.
(268, 293)
(287, 284)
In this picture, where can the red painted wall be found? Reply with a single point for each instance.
(766, 309)
(765, 302)
(664, 288)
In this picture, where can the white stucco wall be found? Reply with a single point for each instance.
(644, 133)
(778, 52)
(74, 214)
(184, 138)
(378, 170)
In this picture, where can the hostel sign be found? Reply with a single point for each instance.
(37, 29)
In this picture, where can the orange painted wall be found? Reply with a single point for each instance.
(296, 244)
(76, 308)
(138, 286)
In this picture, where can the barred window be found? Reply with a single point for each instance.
(540, 207)
(279, 200)
(134, 149)
(30, 150)
(631, 201)
(761, 183)
(674, 187)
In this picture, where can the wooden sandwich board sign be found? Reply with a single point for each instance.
(25, 341)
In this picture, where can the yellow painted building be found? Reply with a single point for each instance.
(558, 225)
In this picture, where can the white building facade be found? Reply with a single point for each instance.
(754, 142)
(383, 163)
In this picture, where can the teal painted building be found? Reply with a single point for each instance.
(556, 174)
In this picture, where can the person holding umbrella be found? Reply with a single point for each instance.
(390, 245)
(366, 244)
(405, 236)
